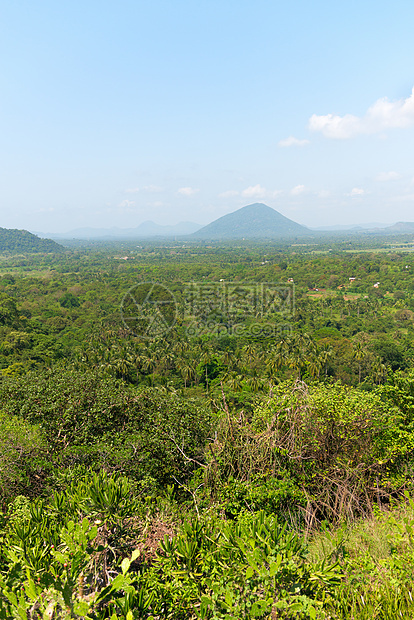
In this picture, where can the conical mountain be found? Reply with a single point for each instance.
(256, 221)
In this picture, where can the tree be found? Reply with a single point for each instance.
(379, 371)
(325, 354)
(68, 300)
(359, 355)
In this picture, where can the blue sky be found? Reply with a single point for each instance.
(116, 113)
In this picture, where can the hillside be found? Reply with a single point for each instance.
(254, 221)
(401, 227)
(13, 241)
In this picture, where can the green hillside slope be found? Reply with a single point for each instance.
(13, 241)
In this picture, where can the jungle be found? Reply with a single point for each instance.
(194, 430)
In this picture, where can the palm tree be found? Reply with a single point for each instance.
(359, 356)
(234, 381)
(228, 358)
(314, 365)
(283, 346)
(249, 352)
(147, 364)
(186, 370)
(326, 352)
(296, 362)
(275, 362)
(254, 383)
(379, 370)
(206, 359)
(123, 367)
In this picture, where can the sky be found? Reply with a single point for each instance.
(114, 113)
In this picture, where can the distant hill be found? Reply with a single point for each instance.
(400, 227)
(256, 221)
(351, 227)
(144, 230)
(150, 229)
(13, 241)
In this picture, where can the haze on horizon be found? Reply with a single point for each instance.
(116, 113)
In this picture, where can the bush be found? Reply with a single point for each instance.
(343, 449)
(21, 457)
(90, 418)
(261, 492)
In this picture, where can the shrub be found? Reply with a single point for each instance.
(341, 448)
(90, 418)
(21, 457)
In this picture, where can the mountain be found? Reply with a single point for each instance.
(144, 230)
(256, 221)
(150, 229)
(13, 241)
(350, 227)
(401, 227)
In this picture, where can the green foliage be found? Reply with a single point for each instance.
(64, 591)
(401, 394)
(8, 311)
(340, 448)
(21, 457)
(68, 300)
(278, 495)
(60, 554)
(376, 556)
(13, 241)
(81, 396)
(68, 557)
(91, 418)
(248, 569)
(390, 352)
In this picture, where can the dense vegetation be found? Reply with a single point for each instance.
(13, 241)
(236, 441)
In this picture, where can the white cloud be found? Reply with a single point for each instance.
(292, 141)
(126, 204)
(254, 191)
(147, 188)
(388, 176)
(324, 193)
(382, 115)
(299, 189)
(187, 191)
(356, 191)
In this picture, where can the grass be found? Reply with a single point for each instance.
(377, 557)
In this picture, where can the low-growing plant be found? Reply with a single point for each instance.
(245, 569)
